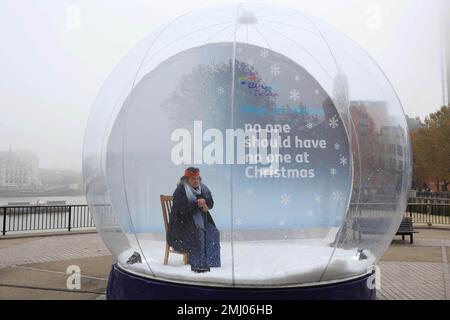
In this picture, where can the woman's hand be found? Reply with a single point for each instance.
(201, 203)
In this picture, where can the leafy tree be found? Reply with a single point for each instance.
(205, 94)
(431, 149)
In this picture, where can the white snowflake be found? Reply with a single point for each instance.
(310, 213)
(227, 176)
(275, 70)
(337, 196)
(337, 146)
(239, 50)
(317, 198)
(250, 192)
(220, 90)
(333, 171)
(237, 221)
(297, 78)
(294, 95)
(317, 91)
(309, 125)
(343, 160)
(281, 223)
(264, 53)
(333, 122)
(285, 199)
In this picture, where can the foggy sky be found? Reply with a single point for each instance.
(52, 64)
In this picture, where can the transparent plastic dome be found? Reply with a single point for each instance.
(296, 131)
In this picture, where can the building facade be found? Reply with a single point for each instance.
(19, 169)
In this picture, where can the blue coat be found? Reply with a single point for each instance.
(182, 233)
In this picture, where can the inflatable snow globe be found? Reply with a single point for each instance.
(246, 151)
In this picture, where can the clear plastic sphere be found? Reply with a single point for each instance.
(297, 133)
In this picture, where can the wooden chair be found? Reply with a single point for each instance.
(166, 205)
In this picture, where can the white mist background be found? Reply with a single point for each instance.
(56, 54)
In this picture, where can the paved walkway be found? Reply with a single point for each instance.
(419, 271)
(412, 281)
(35, 268)
(33, 250)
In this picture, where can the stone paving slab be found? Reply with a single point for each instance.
(5, 243)
(446, 270)
(53, 249)
(432, 233)
(415, 253)
(48, 280)
(418, 271)
(27, 294)
(431, 242)
(412, 281)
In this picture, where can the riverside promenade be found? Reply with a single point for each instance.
(35, 267)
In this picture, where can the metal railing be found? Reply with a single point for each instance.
(438, 195)
(21, 219)
(429, 213)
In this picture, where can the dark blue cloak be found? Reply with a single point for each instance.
(183, 235)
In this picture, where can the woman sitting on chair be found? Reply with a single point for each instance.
(191, 228)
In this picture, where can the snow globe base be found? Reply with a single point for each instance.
(123, 285)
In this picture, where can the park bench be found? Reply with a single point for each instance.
(378, 226)
(369, 225)
(166, 205)
(406, 229)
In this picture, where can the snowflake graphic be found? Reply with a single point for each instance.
(294, 95)
(317, 91)
(333, 122)
(337, 196)
(264, 53)
(297, 78)
(310, 213)
(343, 160)
(285, 199)
(317, 198)
(220, 90)
(333, 171)
(281, 223)
(239, 50)
(227, 176)
(309, 125)
(237, 221)
(250, 192)
(275, 70)
(337, 146)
